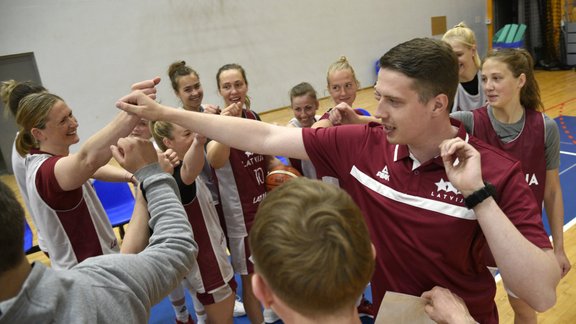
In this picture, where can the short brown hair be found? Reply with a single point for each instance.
(430, 63)
(311, 245)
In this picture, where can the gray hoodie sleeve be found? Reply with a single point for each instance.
(139, 281)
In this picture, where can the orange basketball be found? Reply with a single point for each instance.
(280, 174)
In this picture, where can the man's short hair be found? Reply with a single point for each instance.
(311, 245)
(11, 229)
(431, 63)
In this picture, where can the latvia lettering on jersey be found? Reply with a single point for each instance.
(253, 164)
(242, 185)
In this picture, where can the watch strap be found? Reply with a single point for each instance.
(480, 195)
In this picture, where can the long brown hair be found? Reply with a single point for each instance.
(520, 61)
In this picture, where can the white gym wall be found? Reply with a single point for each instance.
(89, 52)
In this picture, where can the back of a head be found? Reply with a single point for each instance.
(463, 35)
(430, 63)
(311, 245)
(11, 229)
(303, 89)
(519, 61)
(12, 92)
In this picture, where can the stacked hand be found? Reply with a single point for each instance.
(140, 104)
(199, 139)
(343, 114)
(147, 86)
(134, 153)
(212, 109)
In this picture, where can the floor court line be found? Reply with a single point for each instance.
(569, 224)
(567, 153)
(564, 171)
(559, 104)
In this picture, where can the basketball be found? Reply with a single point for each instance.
(280, 174)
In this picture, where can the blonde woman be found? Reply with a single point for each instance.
(463, 41)
(68, 212)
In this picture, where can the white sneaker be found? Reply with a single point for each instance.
(239, 308)
(201, 319)
(270, 316)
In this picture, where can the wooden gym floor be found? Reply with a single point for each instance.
(558, 89)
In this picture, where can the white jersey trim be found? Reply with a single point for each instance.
(416, 201)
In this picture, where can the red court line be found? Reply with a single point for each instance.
(560, 104)
(562, 124)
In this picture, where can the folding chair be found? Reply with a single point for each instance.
(29, 246)
(118, 201)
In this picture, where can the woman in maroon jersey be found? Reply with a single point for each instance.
(241, 181)
(212, 281)
(512, 121)
(68, 212)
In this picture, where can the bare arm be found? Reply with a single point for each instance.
(112, 173)
(193, 160)
(344, 114)
(554, 206)
(138, 233)
(530, 272)
(217, 154)
(171, 251)
(75, 169)
(244, 134)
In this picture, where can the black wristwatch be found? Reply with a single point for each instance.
(480, 195)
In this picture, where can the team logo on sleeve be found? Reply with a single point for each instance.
(384, 174)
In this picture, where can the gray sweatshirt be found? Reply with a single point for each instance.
(116, 288)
